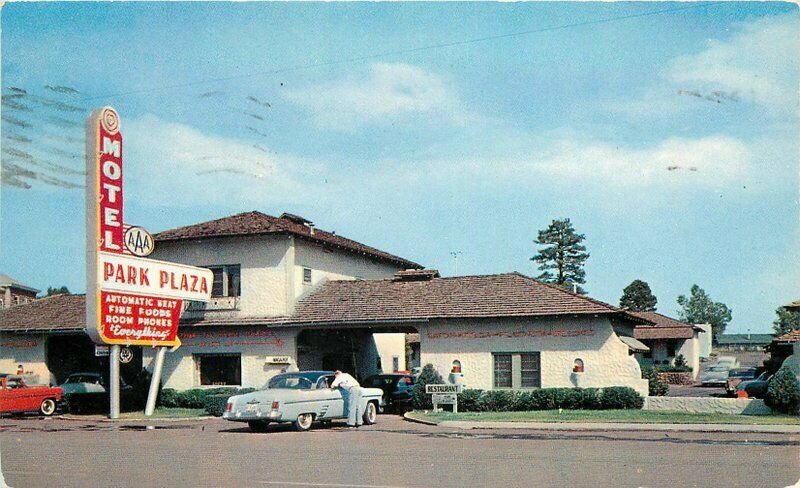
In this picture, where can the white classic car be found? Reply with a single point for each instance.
(301, 398)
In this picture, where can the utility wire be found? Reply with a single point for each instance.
(406, 51)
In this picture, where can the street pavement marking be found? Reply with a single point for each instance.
(333, 485)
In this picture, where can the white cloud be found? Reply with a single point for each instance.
(759, 64)
(390, 90)
(180, 165)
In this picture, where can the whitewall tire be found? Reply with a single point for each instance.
(48, 407)
(303, 422)
(370, 414)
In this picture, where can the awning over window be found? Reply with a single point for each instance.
(633, 344)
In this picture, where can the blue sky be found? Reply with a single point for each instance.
(667, 132)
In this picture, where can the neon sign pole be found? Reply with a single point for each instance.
(130, 300)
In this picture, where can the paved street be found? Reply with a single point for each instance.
(77, 453)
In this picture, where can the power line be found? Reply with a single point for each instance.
(404, 51)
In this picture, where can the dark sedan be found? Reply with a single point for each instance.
(397, 390)
(756, 388)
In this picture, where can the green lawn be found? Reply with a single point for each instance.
(166, 413)
(632, 416)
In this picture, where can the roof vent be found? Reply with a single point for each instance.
(295, 218)
(416, 275)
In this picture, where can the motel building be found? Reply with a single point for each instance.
(288, 296)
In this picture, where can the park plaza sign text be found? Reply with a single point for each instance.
(130, 299)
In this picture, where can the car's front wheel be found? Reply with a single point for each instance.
(258, 425)
(47, 407)
(303, 422)
(370, 414)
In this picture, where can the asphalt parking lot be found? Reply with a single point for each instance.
(212, 452)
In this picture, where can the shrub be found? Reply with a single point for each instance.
(620, 397)
(419, 399)
(680, 361)
(469, 401)
(196, 397)
(215, 404)
(783, 392)
(656, 387)
(168, 397)
(498, 400)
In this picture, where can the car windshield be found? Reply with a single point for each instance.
(716, 369)
(294, 381)
(742, 373)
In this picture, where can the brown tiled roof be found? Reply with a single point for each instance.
(502, 295)
(57, 312)
(663, 327)
(257, 223)
(795, 305)
(792, 336)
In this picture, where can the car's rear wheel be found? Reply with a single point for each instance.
(303, 422)
(370, 414)
(47, 407)
(258, 425)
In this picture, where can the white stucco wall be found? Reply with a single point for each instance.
(27, 350)
(254, 344)
(334, 265)
(560, 342)
(704, 341)
(264, 262)
(691, 352)
(388, 346)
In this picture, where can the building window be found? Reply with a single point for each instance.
(395, 364)
(227, 280)
(378, 364)
(671, 349)
(16, 299)
(517, 370)
(578, 366)
(306, 276)
(219, 369)
(502, 371)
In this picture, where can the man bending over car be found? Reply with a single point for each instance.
(351, 394)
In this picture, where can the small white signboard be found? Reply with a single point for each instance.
(278, 360)
(444, 398)
(101, 351)
(429, 389)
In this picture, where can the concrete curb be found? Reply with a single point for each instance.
(613, 426)
(407, 416)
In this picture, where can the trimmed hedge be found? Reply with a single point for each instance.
(419, 399)
(614, 397)
(197, 397)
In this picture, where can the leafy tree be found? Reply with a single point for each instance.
(637, 297)
(562, 260)
(787, 321)
(57, 291)
(699, 308)
(428, 375)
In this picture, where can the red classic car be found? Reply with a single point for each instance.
(17, 397)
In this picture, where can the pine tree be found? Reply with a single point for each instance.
(637, 297)
(561, 262)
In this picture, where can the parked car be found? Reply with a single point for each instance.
(87, 392)
(736, 376)
(716, 374)
(756, 388)
(17, 397)
(397, 390)
(301, 398)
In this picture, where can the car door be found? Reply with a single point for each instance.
(332, 398)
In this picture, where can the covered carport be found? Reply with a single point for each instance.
(360, 350)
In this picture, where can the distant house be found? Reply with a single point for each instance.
(743, 342)
(667, 339)
(12, 292)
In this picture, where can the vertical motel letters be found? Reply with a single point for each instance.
(110, 189)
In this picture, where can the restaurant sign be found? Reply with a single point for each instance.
(130, 300)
